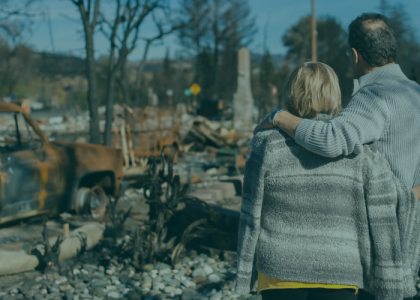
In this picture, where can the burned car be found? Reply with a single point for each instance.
(40, 177)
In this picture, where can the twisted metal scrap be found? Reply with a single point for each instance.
(51, 253)
(149, 240)
(117, 220)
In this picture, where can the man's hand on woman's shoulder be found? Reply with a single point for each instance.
(283, 120)
(265, 124)
(416, 191)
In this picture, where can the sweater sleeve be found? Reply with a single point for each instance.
(361, 122)
(417, 176)
(381, 205)
(249, 223)
(408, 211)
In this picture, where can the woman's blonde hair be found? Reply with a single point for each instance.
(312, 88)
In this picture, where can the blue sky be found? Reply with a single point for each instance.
(281, 14)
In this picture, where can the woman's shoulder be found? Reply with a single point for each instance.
(269, 137)
(271, 143)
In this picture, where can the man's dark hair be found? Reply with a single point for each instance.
(373, 36)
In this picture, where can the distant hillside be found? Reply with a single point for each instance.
(65, 65)
(257, 58)
(155, 64)
(74, 65)
(188, 63)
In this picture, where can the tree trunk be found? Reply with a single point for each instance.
(123, 78)
(95, 137)
(216, 92)
(216, 69)
(109, 100)
(123, 83)
(140, 73)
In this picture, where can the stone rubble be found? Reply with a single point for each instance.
(196, 277)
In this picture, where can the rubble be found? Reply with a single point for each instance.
(138, 256)
(201, 134)
(165, 123)
(196, 276)
(107, 273)
(142, 132)
(83, 238)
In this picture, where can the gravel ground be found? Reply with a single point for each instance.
(94, 275)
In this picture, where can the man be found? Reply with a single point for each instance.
(385, 107)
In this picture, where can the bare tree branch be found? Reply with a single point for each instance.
(16, 17)
(134, 14)
(7, 29)
(23, 10)
(88, 8)
(95, 14)
(69, 18)
(149, 41)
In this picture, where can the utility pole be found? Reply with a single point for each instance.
(50, 31)
(314, 33)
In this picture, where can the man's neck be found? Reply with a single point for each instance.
(365, 71)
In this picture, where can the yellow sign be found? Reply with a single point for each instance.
(195, 89)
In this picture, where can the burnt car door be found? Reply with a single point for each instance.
(29, 170)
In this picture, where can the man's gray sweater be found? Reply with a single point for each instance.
(386, 110)
(309, 218)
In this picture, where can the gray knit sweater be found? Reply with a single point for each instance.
(384, 110)
(309, 218)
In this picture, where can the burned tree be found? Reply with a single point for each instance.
(123, 33)
(149, 41)
(89, 16)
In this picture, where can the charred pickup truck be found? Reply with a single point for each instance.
(40, 177)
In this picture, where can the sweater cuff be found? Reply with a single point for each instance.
(243, 285)
(301, 136)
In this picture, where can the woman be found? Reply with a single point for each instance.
(318, 227)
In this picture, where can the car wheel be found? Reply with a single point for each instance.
(91, 201)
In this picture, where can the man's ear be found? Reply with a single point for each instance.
(356, 56)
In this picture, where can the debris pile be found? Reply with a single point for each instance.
(202, 135)
(155, 241)
(147, 259)
(195, 132)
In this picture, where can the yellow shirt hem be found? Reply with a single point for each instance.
(267, 283)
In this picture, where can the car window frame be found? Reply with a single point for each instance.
(38, 138)
(38, 141)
